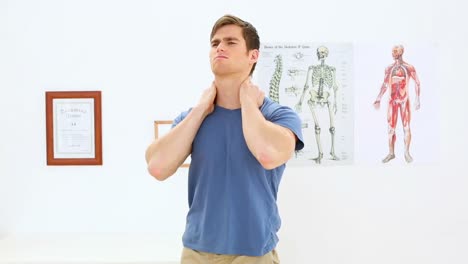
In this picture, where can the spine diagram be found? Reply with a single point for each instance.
(276, 79)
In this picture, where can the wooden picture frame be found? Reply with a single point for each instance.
(158, 125)
(73, 128)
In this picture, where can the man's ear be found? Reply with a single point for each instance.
(254, 56)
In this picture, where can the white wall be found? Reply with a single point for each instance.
(150, 60)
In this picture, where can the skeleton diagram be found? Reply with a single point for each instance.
(323, 80)
(397, 77)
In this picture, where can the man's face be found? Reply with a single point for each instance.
(228, 53)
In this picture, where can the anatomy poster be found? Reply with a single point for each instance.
(315, 80)
(397, 113)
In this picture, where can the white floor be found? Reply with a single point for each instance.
(87, 249)
(73, 262)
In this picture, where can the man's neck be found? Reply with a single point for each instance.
(227, 91)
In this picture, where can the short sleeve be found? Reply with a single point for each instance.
(285, 117)
(180, 117)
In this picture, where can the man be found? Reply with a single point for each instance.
(397, 77)
(239, 142)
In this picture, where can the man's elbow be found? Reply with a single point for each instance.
(157, 172)
(269, 162)
(271, 158)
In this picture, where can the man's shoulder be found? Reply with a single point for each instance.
(270, 107)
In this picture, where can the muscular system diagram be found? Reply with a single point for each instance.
(397, 77)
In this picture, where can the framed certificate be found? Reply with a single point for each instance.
(73, 125)
(161, 127)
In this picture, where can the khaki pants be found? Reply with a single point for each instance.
(190, 256)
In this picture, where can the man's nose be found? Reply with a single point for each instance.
(220, 47)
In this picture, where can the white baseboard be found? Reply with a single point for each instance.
(89, 262)
(90, 249)
(71, 262)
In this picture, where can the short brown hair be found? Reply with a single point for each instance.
(249, 32)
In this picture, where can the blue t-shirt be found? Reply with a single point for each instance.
(232, 198)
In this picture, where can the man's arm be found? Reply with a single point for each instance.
(166, 154)
(271, 144)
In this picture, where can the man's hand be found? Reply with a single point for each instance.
(250, 93)
(207, 100)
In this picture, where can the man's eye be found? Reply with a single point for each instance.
(231, 43)
(214, 44)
